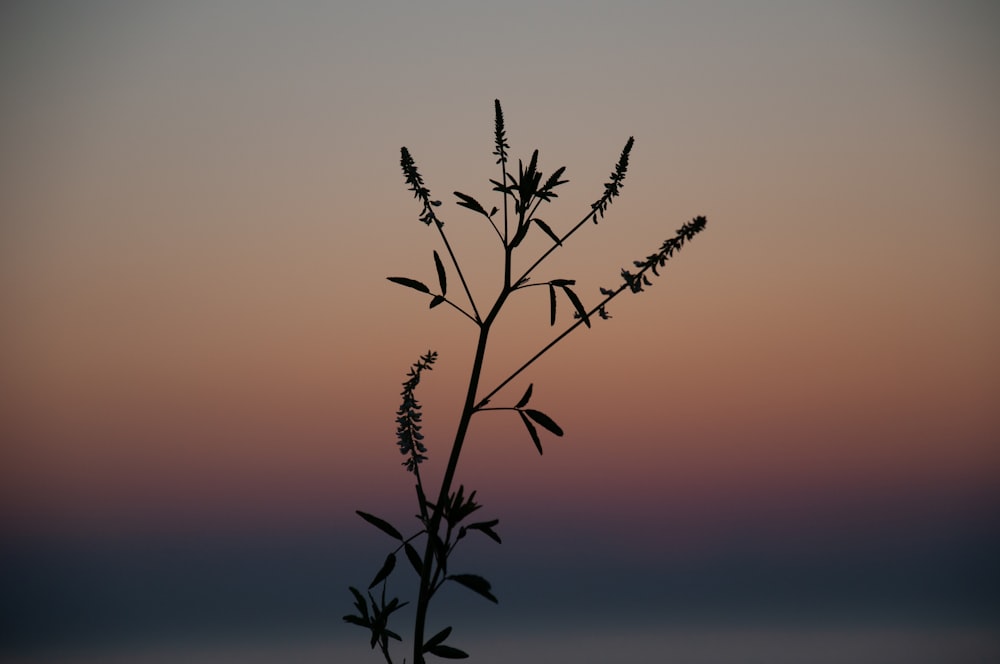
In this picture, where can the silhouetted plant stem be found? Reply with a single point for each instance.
(633, 283)
(429, 216)
(500, 142)
(461, 311)
(384, 647)
(468, 410)
(458, 270)
(555, 246)
(506, 209)
(424, 594)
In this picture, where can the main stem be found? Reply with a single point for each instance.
(468, 410)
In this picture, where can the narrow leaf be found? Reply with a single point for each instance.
(527, 395)
(487, 527)
(467, 201)
(548, 231)
(519, 235)
(531, 175)
(381, 524)
(442, 277)
(562, 283)
(553, 182)
(552, 305)
(447, 652)
(476, 584)
(545, 421)
(436, 300)
(359, 600)
(440, 550)
(578, 304)
(387, 567)
(437, 639)
(414, 558)
(531, 431)
(357, 620)
(410, 283)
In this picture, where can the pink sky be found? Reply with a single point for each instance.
(200, 206)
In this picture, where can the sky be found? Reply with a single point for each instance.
(201, 358)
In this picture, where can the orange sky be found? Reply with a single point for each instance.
(200, 206)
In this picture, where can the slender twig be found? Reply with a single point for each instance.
(500, 138)
(460, 310)
(611, 189)
(545, 349)
(506, 211)
(495, 228)
(555, 246)
(633, 282)
(461, 277)
(428, 215)
(384, 646)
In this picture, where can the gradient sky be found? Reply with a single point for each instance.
(200, 202)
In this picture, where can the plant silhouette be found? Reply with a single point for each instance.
(444, 519)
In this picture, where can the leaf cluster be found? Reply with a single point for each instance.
(454, 511)
(530, 417)
(564, 285)
(527, 192)
(374, 615)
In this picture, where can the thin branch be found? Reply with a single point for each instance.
(612, 188)
(500, 140)
(545, 349)
(428, 216)
(461, 277)
(555, 246)
(633, 282)
(499, 234)
(460, 310)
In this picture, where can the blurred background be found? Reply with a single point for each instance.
(785, 450)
